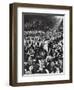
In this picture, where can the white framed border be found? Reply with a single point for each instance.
(52, 77)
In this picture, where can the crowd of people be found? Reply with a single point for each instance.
(43, 55)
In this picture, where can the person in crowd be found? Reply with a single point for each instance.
(38, 59)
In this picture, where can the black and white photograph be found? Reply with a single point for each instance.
(42, 43)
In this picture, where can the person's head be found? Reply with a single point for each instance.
(31, 68)
(34, 61)
(60, 62)
(25, 63)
